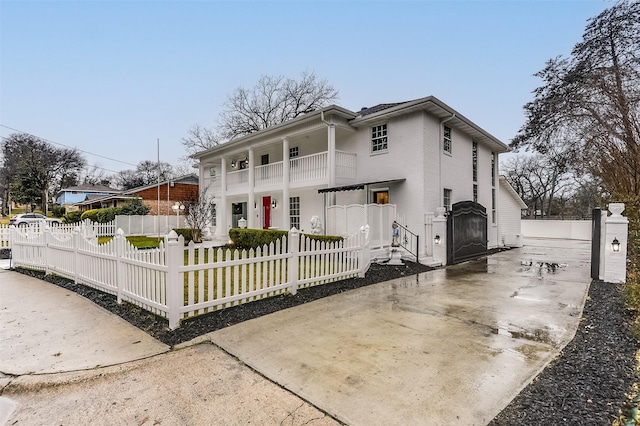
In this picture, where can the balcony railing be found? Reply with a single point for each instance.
(346, 165)
(268, 174)
(310, 168)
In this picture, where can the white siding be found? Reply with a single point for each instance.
(509, 217)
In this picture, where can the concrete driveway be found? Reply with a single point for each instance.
(450, 346)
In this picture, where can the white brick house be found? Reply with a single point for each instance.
(417, 155)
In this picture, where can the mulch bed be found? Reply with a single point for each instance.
(158, 327)
(585, 385)
(588, 382)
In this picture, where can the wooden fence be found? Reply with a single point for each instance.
(177, 282)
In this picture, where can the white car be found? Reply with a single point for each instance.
(31, 218)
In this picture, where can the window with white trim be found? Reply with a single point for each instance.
(446, 199)
(493, 205)
(493, 169)
(493, 187)
(379, 138)
(446, 142)
(294, 212)
(294, 152)
(474, 160)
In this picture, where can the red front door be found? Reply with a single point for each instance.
(266, 212)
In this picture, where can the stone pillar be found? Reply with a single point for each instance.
(616, 228)
(440, 237)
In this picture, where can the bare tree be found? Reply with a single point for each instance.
(273, 100)
(199, 214)
(589, 104)
(199, 138)
(543, 182)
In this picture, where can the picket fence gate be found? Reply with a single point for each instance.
(178, 282)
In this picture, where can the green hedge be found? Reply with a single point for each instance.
(90, 214)
(244, 238)
(73, 217)
(189, 234)
(57, 210)
(108, 214)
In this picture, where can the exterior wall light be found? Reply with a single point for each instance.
(274, 204)
(233, 164)
(436, 240)
(615, 245)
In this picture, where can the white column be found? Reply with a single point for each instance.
(616, 228)
(331, 161)
(221, 208)
(251, 211)
(284, 203)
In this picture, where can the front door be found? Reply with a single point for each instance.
(266, 212)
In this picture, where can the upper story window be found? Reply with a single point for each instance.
(446, 143)
(493, 169)
(294, 152)
(379, 138)
(474, 160)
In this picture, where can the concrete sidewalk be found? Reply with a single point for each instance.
(450, 346)
(65, 360)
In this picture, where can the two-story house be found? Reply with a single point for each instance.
(417, 155)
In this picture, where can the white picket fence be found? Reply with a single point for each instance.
(86, 228)
(177, 282)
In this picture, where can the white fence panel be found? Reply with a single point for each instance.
(347, 220)
(5, 237)
(163, 282)
(148, 224)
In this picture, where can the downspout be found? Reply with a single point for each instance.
(441, 146)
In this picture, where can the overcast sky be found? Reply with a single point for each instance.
(112, 77)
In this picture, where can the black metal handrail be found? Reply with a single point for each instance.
(407, 240)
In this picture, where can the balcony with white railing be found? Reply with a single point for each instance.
(268, 175)
(238, 179)
(346, 169)
(309, 169)
(212, 185)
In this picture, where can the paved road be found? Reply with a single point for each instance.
(451, 346)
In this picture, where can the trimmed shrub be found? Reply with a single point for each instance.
(73, 217)
(90, 214)
(189, 234)
(244, 238)
(108, 214)
(135, 207)
(57, 211)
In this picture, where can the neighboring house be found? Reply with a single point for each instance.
(67, 197)
(418, 155)
(182, 189)
(510, 206)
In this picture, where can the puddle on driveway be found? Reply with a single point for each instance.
(538, 335)
(541, 267)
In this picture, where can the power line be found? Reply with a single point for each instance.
(67, 146)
